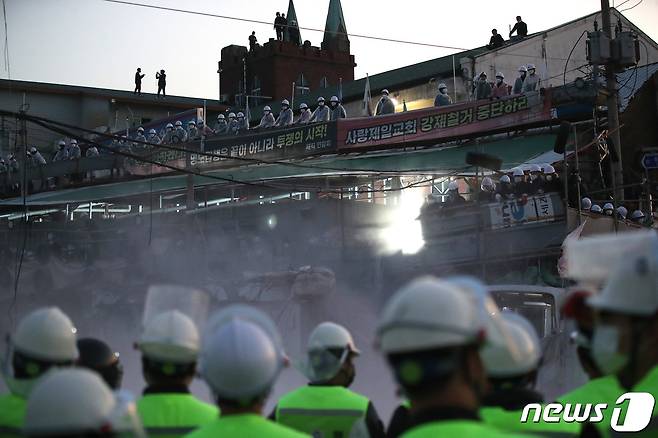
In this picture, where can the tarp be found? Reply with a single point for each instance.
(435, 161)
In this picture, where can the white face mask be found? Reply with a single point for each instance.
(549, 177)
(533, 176)
(605, 349)
(499, 80)
(518, 179)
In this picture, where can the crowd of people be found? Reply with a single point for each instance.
(516, 184)
(463, 367)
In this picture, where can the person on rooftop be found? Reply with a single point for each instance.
(482, 87)
(496, 40)
(520, 28)
(385, 104)
(443, 98)
(252, 41)
(138, 81)
(500, 88)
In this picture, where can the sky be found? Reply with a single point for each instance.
(100, 44)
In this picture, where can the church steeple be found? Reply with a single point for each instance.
(335, 31)
(291, 32)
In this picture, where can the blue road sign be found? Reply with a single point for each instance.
(650, 161)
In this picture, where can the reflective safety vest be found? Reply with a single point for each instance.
(325, 411)
(244, 426)
(12, 414)
(173, 414)
(604, 389)
(459, 429)
(505, 420)
(648, 384)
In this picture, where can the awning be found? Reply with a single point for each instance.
(435, 161)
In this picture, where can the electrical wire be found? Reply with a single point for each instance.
(632, 7)
(247, 20)
(6, 51)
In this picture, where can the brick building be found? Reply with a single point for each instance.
(274, 68)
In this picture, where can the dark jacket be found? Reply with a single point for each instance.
(520, 28)
(496, 41)
(138, 77)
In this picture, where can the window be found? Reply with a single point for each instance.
(324, 82)
(301, 85)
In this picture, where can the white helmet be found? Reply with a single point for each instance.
(329, 335)
(500, 75)
(221, 117)
(334, 99)
(486, 183)
(170, 336)
(320, 99)
(169, 126)
(240, 115)
(548, 169)
(61, 143)
(517, 171)
(191, 122)
(429, 313)
(74, 141)
(596, 209)
(523, 69)
(637, 215)
(140, 129)
(535, 168)
(152, 131)
(285, 102)
(622, 212)
(239, 359)
(608, 208)
(178, 123)
(46, 334)
(76, 401)
(454, 185)
(585, 204)
(385, 91)
(631, 287)
(200, 121)
(500, 362)
(231, 115)
(303, 106)
(267, 109)
(531, 67)
(505, 179)
(442, 86)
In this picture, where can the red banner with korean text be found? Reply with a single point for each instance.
(443, 123)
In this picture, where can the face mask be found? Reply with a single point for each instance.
(518, 179)
(605, 349)
(321, 104)
(443, 91)
(533, 177)
(549, 177)
(499, 81)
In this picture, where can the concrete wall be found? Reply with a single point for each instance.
(549, 52)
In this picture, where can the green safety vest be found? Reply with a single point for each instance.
(505, 420)
(326, 411)
(173, 414)
(458, 429)
(648, 384)
(244, 426)
(12, 414)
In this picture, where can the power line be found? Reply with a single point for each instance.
(248, 20)
(632, 7)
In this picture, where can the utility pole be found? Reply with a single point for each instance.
(22, 152)
(613, 108)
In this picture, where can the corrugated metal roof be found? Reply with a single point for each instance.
(632, 80)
